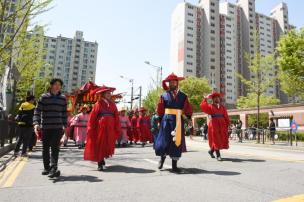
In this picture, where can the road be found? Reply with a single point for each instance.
(246, 174)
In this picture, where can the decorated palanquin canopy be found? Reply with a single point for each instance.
(87, 94)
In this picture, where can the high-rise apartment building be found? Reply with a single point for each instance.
(71, 59)
(210, 40)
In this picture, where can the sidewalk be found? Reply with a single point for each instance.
(253, 143)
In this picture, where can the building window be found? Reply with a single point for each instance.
(189, 63)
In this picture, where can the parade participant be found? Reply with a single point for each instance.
(144, 127)
(103, 129)
(25, 124)
(125, 125)
(134, 127)
(130, 131)
(68, 130)
(51, 117)
(173, 109)
(79, 123)
(154, 125)
(218, 125)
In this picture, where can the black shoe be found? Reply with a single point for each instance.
(211, 154)
(45, 172)
(175, 169)
(24, 155)
(54, 172)
(143, 144)
(101, 165)
(131, 143)
(161, 162)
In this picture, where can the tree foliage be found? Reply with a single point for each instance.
(195, 89)
(152, 98)
(250, 101)
(15, 18)
(30, 61)
(263, 122)
(291, 62)
(260, 67)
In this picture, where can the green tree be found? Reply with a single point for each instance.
(250, 101)
(30, 61)
(152, 98)
(195, 89)
(290, 51)
(15, 17)
(260, 67)
(263, 122)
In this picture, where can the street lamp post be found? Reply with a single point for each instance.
(132, 86)
(159, 71)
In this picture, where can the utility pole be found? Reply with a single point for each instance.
(140, 89)
(132, 83)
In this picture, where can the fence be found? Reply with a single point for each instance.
(8, 131)
(282, 136)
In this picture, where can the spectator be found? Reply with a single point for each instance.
(205, 131)
(51, 117)
(272, 129)
(239, 125)
(25, 123)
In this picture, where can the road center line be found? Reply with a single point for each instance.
(292, 199)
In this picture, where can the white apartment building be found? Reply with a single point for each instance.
(71, 59)
(210, 39)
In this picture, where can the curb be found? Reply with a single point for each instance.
(6, 149)
(266, 146)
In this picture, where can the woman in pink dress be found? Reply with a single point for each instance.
(80, 126)
(125, 125)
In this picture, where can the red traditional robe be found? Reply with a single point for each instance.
(103, 131)
(130, 131)
(217, 126)
(144, 128)
(134, 128)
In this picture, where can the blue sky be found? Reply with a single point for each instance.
(130, 32)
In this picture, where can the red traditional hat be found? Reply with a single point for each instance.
(215, 94)
(171, 77)
(104, 88)
(142, 109)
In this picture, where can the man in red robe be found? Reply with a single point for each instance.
(103, 129)
(130, 131)
(134, 127)
(144, 127)
(218, 124)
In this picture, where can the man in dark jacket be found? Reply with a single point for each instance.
(51, 117)
(25, 123)
(272, 130)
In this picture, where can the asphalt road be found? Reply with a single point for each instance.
(246, 174)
